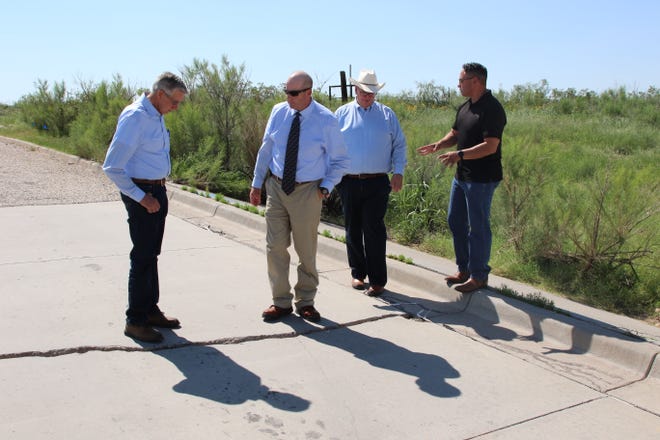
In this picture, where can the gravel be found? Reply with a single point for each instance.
(34, 175)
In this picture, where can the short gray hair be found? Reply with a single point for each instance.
(169, 82)
(476, 69)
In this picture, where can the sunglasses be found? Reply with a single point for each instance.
(296, 92)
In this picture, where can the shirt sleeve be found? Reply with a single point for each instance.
(495, 121)
(399, 146)
(337, 153)
(264, 156)
(122, 147)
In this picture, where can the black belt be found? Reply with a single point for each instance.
(365, 176)
(159, 182)
(278, 180)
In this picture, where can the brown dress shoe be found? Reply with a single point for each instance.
(160, 320)
(471, 285)
(457, 278)
(143, 333)
(273, 313)
(309, 313)
(375, 290)
(358, 284)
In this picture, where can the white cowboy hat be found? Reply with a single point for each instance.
(368, 82)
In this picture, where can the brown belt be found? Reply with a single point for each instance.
(365, 176)
(278, 180)
(159, 182)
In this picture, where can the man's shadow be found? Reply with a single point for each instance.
(431, 370)
(452, 313)
(212, 375)
(487, 323)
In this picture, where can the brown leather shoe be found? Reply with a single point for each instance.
(309, 313)
(457, 278)
(471, 285)
(160, 320)
(273, 313)
(358, 283)
(143, 333)
(375, 290)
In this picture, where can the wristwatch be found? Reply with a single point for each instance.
(460, 154)
(324, 191)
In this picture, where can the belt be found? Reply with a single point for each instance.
(365, 176)
(278, 180)
(158, 182)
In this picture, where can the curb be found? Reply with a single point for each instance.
(603, 341)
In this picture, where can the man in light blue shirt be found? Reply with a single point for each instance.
(317, 166)
(138, 161)
(376, 147)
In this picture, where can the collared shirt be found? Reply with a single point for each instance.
(321, 152)
(476, 121)
(374, 138)
(140, 148)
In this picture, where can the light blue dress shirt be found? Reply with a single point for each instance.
(140, 148)
(321, 153)
(373, 137)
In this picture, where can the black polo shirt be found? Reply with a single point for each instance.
(474, 122)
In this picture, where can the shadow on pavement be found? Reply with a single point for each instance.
(451, 313)
(478, 311)
(431, 370)
(212, 375)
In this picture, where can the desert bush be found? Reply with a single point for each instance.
(51, 110)
(100, 106)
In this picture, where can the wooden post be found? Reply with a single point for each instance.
(344, 92)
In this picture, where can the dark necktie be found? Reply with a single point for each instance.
(291, 157)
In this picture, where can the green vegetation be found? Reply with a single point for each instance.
(536, 298)
(401, 258)
(577, 212)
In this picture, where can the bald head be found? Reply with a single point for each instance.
(300, 80)
(301, 84)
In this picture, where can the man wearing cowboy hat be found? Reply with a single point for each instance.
(376, 147)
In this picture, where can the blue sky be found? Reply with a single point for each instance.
(580, 44)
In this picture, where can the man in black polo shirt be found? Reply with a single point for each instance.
(477, 133)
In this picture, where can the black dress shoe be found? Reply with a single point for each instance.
(273, 313)
(143, 333)
(309, 313)
(160, 320)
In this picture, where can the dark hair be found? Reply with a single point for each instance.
(476, 69)
(168, 82)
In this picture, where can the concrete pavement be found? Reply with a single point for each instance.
(421, 362)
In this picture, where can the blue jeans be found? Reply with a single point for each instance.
(469, 222)
(146, 232)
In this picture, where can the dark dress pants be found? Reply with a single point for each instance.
(364, 202)
(146, 232)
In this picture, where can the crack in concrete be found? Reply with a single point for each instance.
(221, 341)
(530, 419)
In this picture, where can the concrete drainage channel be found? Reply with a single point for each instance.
(526, 331)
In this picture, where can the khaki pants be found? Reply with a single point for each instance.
(294, 216)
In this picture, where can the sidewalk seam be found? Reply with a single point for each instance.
(221, 341)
